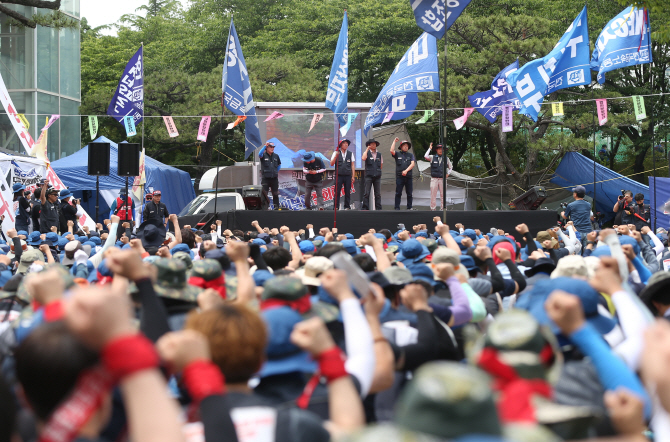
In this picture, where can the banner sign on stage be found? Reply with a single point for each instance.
(203, 130)
(601, 105)
(337, 94)
(489, 103)
(292, 190)
(128, 100)
(625, 41)
(237, 92)
(416, 72)
(430, 15)
(567, 65)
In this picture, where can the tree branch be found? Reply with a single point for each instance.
(55, 5)
(18, 17)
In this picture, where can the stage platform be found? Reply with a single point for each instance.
(358, 222)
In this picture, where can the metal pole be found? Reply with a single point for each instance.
(444, 147)
(97, 197)
(126, 202)
(653, 147)
(336, 201)
(595, 154)
(142, 185)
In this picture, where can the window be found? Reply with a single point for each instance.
(47, 59)
(70, 7)
(16, 52)
(223, 204)
(70, 65)
(70, 138)
(47, 105)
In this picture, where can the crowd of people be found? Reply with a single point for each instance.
(271, 334)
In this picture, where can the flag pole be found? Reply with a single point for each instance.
(223, 108)
(337, 190)
(443, 135)
(142, 185)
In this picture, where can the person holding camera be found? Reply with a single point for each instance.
(623, 209)
(68, 211)
(579, 212)
(21, 207)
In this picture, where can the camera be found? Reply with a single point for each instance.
(401, 226)
(564, 205)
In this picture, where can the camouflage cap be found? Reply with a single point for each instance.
(231, 288)
(430, 244)
(449, 400)
(207, 269)
(286, 288)
(68, 279)
(398, 275)
(185, 257)
(324, 310)
(171, 282)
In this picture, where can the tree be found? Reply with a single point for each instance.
(661, 32)
(54, 19)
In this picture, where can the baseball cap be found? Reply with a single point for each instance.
(579, 190)
(314, 267)
(157, 193)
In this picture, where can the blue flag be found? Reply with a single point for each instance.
(338, 88)
(430, 14)
(237, 92)
(128, 100)
(623, 42)
(416, 72)
(566, 65)
(490, 103)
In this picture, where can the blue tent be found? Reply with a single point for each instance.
(575, 169)
(174, 184)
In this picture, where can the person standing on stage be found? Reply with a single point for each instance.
(270, 167)
(373, 173)
(22, 207)
(313, 168)
(436, 173)
(404, 163)
(155, 209)
(346, 170)
(50, 210)
(68, 210)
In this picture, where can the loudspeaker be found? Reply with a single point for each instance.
(129, 159)
(530, 200)
(253, 198)
(98, 159)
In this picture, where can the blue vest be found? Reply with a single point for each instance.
(402, 162)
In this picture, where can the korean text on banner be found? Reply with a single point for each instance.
(237, 91)
(203, 130)
(128, 100)
(489, 103)
(315, 119)
(171, 128)
(507, 119)
(638, 103)
(129, 123)
(460, 121)
(567, 65)
(557, 109)
(426, 116)
(624, 41)
(274, 116)
(601, 106)
(430, 14)
(350, 120)
(21, 130)
(337, 94)
(415, 72)
(93, 126)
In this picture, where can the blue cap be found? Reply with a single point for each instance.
(412, 251)
(349, 236)
(261, 276)
(351, 247)
(459, 240)
(34, 239)
(22, 232)
(319, 238)
(421, 233)
(259, 241)
(601, 251)
(103, 269)
(470, 233)
(265, 237)
(579, 189)
(17, 187)
(625, 239)
(469, 263)
(306, 246)
(52, 237)
(380, 236)
(119, 243)
(182, 248)
(308, 157)
(282, 355)
(95, 240)
(65, 193)
(422, 272)
(62, 242)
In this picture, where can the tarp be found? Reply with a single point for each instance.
(660, 202)
(174, 184)
(575, 169)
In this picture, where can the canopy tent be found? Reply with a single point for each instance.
(575, 169)
(174, 184)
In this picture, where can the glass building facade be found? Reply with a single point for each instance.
(42, 71)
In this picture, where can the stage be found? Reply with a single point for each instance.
(358, 222)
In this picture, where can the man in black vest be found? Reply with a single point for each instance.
(270, 167)
(373, 173)
(345, 172)
(436, 173)
(313, 168)
(404, 163)
(50, 212)
(155, 209)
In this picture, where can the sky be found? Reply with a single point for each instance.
(99, 12)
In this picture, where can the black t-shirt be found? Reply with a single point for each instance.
(49, 216)
(155, 211)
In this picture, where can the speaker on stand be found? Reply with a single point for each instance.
(129, 164)
(98, 165)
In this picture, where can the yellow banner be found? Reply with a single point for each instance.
(557, 109)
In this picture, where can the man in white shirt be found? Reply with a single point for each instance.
(436, 173)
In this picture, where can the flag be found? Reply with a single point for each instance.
(21, 130)
(623, 42)
(129, 123)
(507, 119)
(203, 130)
(128, 100)
(489, 103)
(601, 105)
(426, 116)
(430, 14)
(338, 87)
(140, 180)
(93, 126)
(51, 121)
(24, 120)
(416, 72)
(565, 66)
(315, 119)
(460, 121)
(236, 122)
(237, 91)
(557, 109)
(171, 128)
(350, 119)
(640, 112)
(387, 117)
(274, 116)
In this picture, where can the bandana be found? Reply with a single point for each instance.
(301, 305)
(218, 284)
